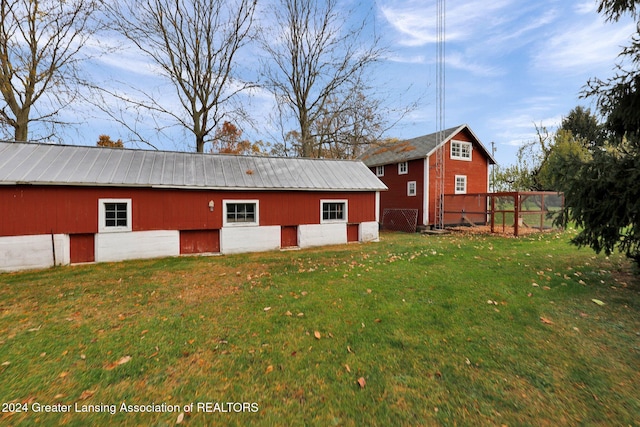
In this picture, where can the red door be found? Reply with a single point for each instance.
(352, 233)
(288, 236)
(81, 248)
(199, 241)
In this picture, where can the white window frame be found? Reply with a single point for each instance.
(463, 179)
(460, 153)
(403, 168)
(226, 203)
(412, 189)
(334, 221)
(380, 170)
(102, 216)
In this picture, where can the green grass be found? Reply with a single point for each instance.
(444, 330)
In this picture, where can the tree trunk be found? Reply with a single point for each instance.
(199, 144)
(21, 126)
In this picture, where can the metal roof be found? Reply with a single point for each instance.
(415, 148)
(47, 164)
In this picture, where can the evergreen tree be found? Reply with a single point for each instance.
(602, 193)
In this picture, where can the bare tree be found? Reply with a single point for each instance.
(40, 43)
(315, 69)
(193, 44)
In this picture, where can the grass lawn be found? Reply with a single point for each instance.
(413, 330)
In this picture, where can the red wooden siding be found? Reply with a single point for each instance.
(199, 241)
(82, 248)
(476, 171)
(396, 196)
(289, 236)
(29, 210)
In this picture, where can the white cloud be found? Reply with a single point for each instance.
(583, 46)
(459, 61)
(407, 59)
(415, 21)
(586, 7)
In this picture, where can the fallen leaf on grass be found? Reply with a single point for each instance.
(546, 321)
(180, 418)
(86, 394)
(267, 308)
(269, 369)
(317, 335)
(597, 301)
(347, 368)
(118, 362)
(362, 382)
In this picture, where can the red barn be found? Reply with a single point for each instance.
(72, 204)
(408, 170)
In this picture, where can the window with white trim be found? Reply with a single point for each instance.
(333, 211)
(114, 215)
(461, 184)
(239, 213)
(379, 170)
(411, 188)
(403, 168)
(461, 150)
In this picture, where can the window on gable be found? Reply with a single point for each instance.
(114, 215)
(461, 184)
(461, 150)
(403, 168)
(379, 170)
(411, 188)
(241, 212)
(333, 211)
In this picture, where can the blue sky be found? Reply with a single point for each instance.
(510, 64)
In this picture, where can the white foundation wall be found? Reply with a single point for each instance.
(31, 252)
(368, 232)
(136, 245)
(322, 234)
(235, 240)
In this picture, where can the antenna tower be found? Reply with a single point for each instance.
(440, 107)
